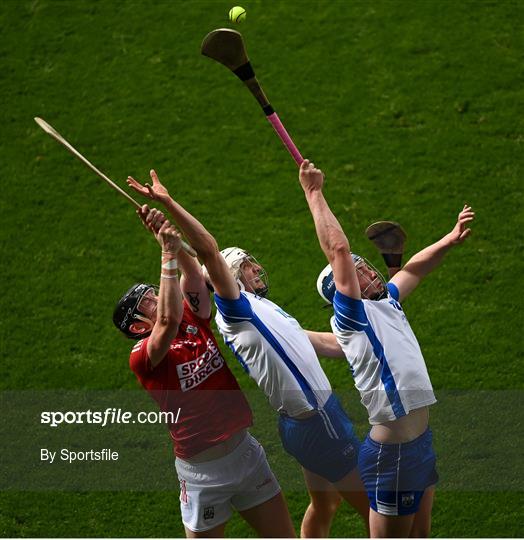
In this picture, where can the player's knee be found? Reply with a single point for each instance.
(325, 505)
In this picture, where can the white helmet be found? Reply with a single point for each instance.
(234, 258)
(326, 282)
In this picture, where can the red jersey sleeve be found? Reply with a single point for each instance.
(139, 360)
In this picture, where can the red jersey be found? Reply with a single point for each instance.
(194, 378)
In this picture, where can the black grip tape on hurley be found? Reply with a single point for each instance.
(244, 72)
(392, 260)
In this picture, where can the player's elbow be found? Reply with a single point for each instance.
(208, 247)
(164, 332)
(168, 320)
(415, 270)
(168, 324)
(337, 248)
(335, 240)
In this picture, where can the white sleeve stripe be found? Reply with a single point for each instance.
(341, 315)
(231, 317)
(346, 329)
(351, 325)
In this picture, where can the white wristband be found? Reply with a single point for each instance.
(171, 264)
(167, 276)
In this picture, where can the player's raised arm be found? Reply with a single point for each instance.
(169, 307)
(200, 239)
(333, 241)
(192, 280)
(425, 261)
(193, 285)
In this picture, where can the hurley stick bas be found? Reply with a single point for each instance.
(389, 238)
(227, 47)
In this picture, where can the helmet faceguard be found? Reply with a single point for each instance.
(368, 282)
(130, 310)
(236, 259)
(326, 282)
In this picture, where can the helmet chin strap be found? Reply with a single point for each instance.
(377, 296)
(145, 319)
(260, 291)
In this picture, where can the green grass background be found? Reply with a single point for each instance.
(411, 108)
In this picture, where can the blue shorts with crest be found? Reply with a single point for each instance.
(396, 475)
(325, 443)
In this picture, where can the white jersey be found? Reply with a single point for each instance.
(275, 351)
(384, 355)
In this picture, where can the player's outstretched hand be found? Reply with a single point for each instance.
(169, 238)
(157, 191)
(460, 232)
(311, 178)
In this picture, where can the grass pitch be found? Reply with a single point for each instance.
(411, 109)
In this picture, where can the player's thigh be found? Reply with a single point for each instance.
(421, 527)
(258, 497)
(271, 518)
(382, 526)
(322, 492)
(352, 489)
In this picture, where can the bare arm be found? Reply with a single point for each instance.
(425, 261)
(193, 285)
(325, 344)
(333, 241)
(169, 307)
(201, 240)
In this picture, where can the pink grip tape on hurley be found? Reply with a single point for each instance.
(285, 138)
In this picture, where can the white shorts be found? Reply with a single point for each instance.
(209, 490)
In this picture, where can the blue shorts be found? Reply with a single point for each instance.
(325, 443)
(396, 475)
